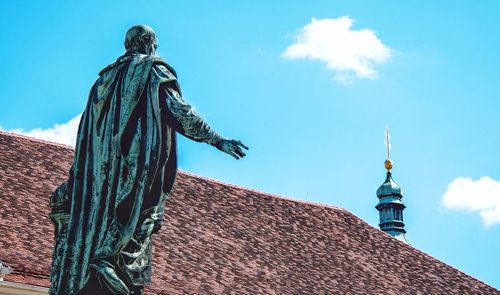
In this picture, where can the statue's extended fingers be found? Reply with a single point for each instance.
(239, 152)
(234, 155)
(242, 145)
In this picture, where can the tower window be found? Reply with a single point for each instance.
(397, 214)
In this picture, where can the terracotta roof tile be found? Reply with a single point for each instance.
(223, 239)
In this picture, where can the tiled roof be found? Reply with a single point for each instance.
(223, 239)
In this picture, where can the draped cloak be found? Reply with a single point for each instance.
(123, 169)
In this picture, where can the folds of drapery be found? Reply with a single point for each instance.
(124, 168)
(113, 199)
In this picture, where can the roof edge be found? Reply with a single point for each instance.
(285, 198)
(30, 138)
(404, 244)
(8, 287)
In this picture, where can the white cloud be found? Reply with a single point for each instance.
(481, 196)
(64, 133)
(346, 51)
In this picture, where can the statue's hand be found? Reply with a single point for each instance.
(232, 147)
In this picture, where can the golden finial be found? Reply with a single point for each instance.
(388, 162)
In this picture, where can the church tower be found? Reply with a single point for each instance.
(390, 206)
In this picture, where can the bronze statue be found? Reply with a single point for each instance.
(123, 170)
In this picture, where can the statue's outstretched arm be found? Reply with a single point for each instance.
(191, 125)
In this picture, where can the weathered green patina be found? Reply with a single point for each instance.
(123, 171)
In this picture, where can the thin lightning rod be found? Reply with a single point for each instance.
(388, 142)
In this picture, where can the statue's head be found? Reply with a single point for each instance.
(141, 39)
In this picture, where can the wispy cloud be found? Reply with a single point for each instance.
(481, 196)
(346, 51)
(64, 133)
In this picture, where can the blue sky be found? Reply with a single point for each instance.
(314, 122)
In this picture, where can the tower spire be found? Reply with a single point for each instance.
(390, 206)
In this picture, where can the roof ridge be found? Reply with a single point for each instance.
(31, 138)
(285, 198)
